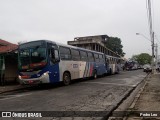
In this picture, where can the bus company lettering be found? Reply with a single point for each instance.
(75, 65)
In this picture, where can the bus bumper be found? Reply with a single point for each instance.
(42, 79)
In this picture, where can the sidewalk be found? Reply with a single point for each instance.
(147, 105)
(12, 87)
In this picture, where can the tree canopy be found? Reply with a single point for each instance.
(143, 58)
(114, 44)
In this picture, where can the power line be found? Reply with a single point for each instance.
(157, 38)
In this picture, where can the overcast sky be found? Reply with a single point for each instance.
(62, 20)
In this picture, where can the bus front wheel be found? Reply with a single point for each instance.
(66, 78)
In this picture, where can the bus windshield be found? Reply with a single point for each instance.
(24, 57)
(38, 55)
(32, 57)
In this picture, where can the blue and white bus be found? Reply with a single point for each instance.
(44, 61)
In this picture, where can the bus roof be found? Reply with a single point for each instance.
(79, 48)
(61, 44)
(113, 57)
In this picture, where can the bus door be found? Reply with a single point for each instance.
(54, 59)
(107, 64)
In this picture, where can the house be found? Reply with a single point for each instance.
(8, 62)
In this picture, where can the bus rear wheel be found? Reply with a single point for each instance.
(66, 78)
(110, 71)
(118, 71)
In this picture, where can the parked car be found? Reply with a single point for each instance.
(140, 67)
(158, 67)
(147, 68)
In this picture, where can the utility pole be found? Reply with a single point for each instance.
(156, 54)
(152, 38)
(149, 12)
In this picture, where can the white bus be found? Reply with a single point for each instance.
(113, 64)
(44, 61)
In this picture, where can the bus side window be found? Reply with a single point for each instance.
(54, 55)
(83, 55)
(65, 53)
(75, 55)
(90, 57)
(101, 58)
(96, 56)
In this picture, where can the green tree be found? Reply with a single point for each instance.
(114, 44)
(135, 57)
(143, 58)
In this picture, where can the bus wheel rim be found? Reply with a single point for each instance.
(66, 79)
(95, 74)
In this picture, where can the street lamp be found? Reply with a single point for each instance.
(152, 44)
(143, 36)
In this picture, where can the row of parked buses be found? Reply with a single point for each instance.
(46, 61)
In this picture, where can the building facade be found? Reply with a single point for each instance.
(8, 62)
(96, 43)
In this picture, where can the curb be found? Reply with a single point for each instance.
(139, 93)
(14, 89)
(131, 107)
(124, 99)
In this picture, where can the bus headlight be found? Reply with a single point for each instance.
(46, 73)
(19, 77)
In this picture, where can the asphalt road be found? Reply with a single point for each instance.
(101, 94)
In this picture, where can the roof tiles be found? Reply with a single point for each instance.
(7, 46)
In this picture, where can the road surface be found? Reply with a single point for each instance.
(102, 94)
